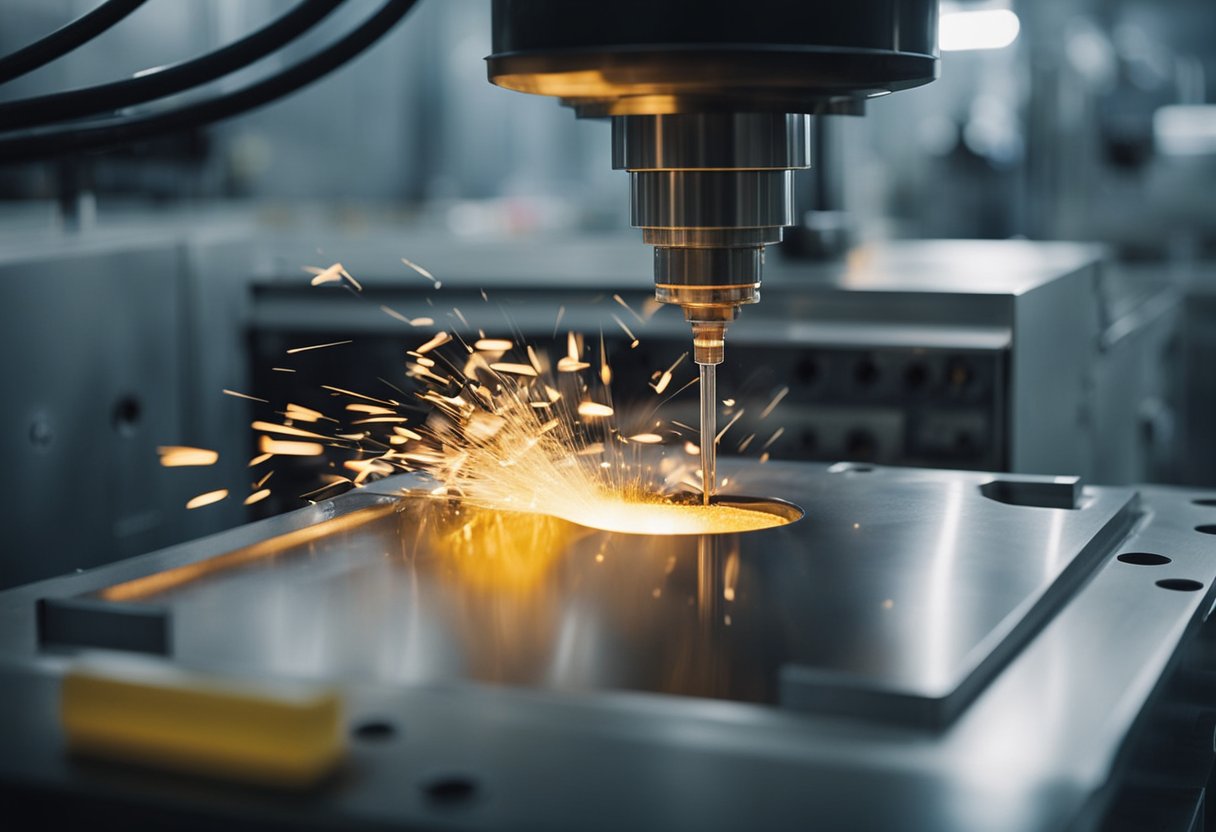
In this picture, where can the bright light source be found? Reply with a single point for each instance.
(977, 29)
(1182, 130)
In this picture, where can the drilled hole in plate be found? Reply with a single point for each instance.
(375, 730)
(1144, 559)
(450, 789)
(1180, 584)
(1206, 528)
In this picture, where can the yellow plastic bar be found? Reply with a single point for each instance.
(279, 735)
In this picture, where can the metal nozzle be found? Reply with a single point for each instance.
(709, 338)
(710, 191)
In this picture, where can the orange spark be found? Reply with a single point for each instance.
(207, 498)
(174, 456)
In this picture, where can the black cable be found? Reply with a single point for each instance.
(64, 40)
(120, 131)
(105, 98)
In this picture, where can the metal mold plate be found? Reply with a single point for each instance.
(896, 598)
(1042, 745)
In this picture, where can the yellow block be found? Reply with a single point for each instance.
(278, 734)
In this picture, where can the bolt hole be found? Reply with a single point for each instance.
(450, 789)
(808, 371)
(1144, 559)
(1180, 584)
(126, 415)
(1206, 528)
(865, 373)
(375, 730)
(915, 376)
(1208, 502)
(41, 433)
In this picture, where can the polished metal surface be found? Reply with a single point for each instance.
(711, 200)
(711, 269)
(889, 590)
(709, 141)
(680, 56)
(576, 649)
(709, 192)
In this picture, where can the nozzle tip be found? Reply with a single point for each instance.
(708, 342)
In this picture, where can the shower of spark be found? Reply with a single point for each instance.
(503, 428)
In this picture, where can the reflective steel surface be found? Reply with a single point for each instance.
(895, 597)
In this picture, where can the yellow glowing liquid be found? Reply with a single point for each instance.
(672, 518)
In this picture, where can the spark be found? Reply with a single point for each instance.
(728, 402)
(393, 313)
(263, 480)
(566, 364)
(628, 308)
(284, 447)
(594, 410)
(295, 350)
(729, 424)
(333, 274)
(646, 438)
(441, 338)
(561, 313)
(258, 460)
(228, 392)
(174, 456)
(372, 409)
(358, 395)
(514, 369)
(493, 345)
(423, 272)
(282, 369)
(605, 370)
(633, 339)
(776, 435)
(781, 394)
(257, 496)
(207, 498)
(303, 414)
(666, 376)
